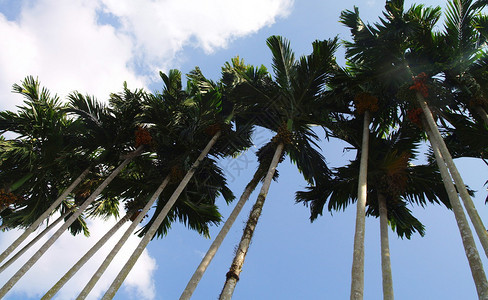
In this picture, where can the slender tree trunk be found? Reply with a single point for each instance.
(157, 222)
(35, 240)
(472, 254)
(236, 267)
(195, 279)
(482, 113)
(16, 277)
(76, 267)
(103, 267)
(385, 250)
(357, 273)
(44, 216)
(461, 187)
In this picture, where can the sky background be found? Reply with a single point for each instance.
(94, 46)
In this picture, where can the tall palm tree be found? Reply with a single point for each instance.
(206, 114)
(393, 182)
(361, 81)
(233, 74)
(449, 55)
(401, 39)
(123, 109)
(461, 36)
(290, 105)
(465, 73)
(41, 157)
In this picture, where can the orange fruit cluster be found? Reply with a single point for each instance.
(365, 101)
(419, 84)
(7, 198)
(143, 137)
(213, 129)
(414, 115)
(283, 135)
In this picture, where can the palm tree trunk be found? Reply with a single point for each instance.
(76, 267)
(461, 187)
(195, 279)
(472, 254)
(157, 222)
(35, 240)
(236, 267)
(385, 250)
(482, 113)
(46, 213)
(103, 267)
(16, 277)
(357, 275)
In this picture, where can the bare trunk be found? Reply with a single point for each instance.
(16, 277)
(357, 273)
(157, 222)
(472, 254)
(84, 259)
(103, 267)
(44, 216)
(34, 241)
(236, 267)
(461, 187)
(195, 279)
(385, 250)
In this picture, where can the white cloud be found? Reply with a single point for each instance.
(66, 251)
(162, 28)
(64, 43)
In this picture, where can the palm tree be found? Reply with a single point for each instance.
(42, 156)
(459, 32)
(430, 56)
(393, 182)
(123, 111)
(290, 104)
(465, 61)
(357, 282)
(463, 70)
(401, 40)
(232, 74)
(143, 172)
(206, 112)
(360, 81)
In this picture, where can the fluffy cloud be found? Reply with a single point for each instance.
(62, 44)
(161, 28)
(66, 251)
(93, 46)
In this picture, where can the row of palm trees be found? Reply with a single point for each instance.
(404, 83)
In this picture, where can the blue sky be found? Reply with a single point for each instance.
(93, 46)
